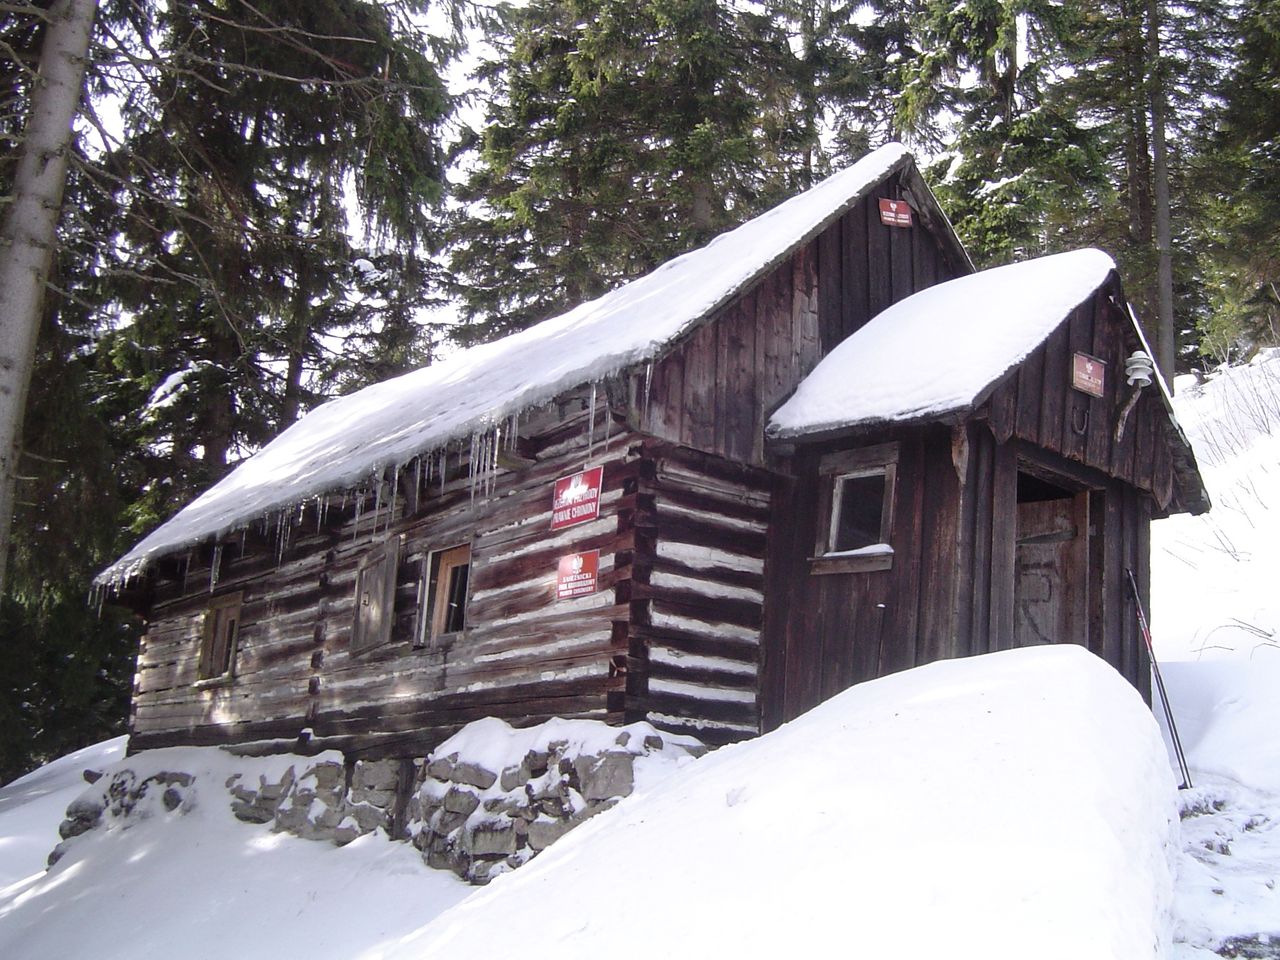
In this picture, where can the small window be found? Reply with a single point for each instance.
(221, 632)
(375, 597)
(856, 512)
(444, 607)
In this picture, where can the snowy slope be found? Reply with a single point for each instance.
(1008, 806)
(32, 806)
(204, 885)
(343, 442)
(1214, 577)
(1012, 805)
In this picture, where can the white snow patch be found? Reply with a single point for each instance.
(1213, 577)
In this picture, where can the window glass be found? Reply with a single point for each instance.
(447, 597)
(859, 511)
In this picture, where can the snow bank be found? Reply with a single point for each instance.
(1228, 715)
(344, 442)
(1213, 577)
(195, 882)
(1013, 805)
(936, 351)
(31, 808)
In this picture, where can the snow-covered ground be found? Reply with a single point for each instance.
(1216, 619)
(1009, 806)
(1018, 804)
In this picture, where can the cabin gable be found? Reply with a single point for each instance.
(715, 389)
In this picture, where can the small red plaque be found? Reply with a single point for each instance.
(1089, 374)
(576, 498)
(895, 213)
(577, 575)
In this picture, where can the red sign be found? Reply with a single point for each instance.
(576, 498)
(1089, 374)
(895, 213)
(577, 574)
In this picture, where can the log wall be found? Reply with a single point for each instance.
(699, 594)
(525, 655)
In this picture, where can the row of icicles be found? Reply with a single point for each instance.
(480, 457)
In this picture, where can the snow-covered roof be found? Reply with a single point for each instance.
(937, 352)
(344, 442)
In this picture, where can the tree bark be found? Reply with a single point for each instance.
(1166, 334)
(28, 235)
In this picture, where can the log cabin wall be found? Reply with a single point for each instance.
(525, 655)
(699, 594)
(714, 390)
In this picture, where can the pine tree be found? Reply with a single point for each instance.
(1237, 184)
(620, 135)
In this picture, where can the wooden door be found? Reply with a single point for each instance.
(1051, 572)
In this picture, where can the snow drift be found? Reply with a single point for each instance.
(1012, 805)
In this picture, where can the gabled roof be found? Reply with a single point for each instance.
(938, 354)
(344, 442)
(938, 351)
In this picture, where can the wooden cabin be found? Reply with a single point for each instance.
(603, 516)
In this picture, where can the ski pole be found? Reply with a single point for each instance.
(1164, 697)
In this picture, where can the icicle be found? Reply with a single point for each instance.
(417, 477)
(493, 459)
(391, 510)
(471, 466)
(648, 384)
(591, 421)
(355, 526)
(213, 568)
(377, 502)
(444, 468)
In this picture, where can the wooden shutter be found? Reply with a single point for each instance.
(376, 597)
(218, 637)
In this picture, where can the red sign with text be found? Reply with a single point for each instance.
(895, 213)
(576, 498)
(1089, 374)
(577, 575)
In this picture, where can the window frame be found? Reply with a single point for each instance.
(833, 470)
(433, 602)
(221, 626)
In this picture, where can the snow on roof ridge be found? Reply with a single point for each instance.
(470, 392)
(935, 352)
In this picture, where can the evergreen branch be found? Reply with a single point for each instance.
(275, 28)
(25, 10)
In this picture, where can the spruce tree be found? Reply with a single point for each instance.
(620, 135)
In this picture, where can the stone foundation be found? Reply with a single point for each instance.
(461, 814)
(480, 822)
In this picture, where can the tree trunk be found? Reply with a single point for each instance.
(1166, 334)
(28, 235)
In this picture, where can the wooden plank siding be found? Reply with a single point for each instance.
(1037, 404)
(715, 389)
(825, 632)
